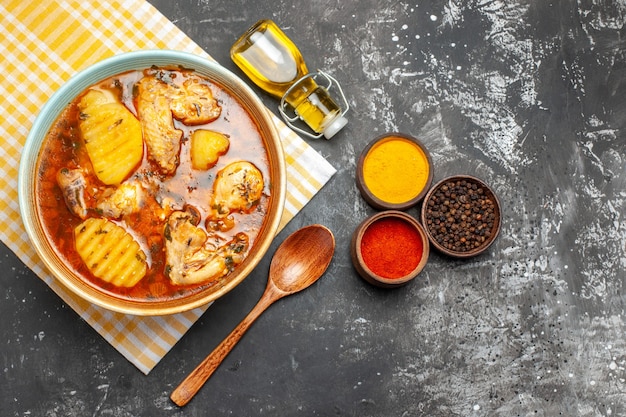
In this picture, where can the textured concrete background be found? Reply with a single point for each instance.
(525, 94)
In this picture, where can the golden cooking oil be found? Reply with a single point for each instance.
(317, 109)
(266, 55)
(274, 63)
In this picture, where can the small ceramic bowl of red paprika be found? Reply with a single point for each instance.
(389, 249)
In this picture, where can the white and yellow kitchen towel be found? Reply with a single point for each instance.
(42, 44)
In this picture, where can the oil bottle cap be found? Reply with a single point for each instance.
(335, 126)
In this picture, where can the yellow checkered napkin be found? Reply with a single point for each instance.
(42, 45)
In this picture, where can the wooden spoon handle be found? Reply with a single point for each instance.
(196, 379)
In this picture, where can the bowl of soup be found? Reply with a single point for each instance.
(152, 182)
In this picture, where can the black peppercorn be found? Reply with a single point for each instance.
(461, 215)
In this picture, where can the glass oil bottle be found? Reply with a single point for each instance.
(274, 63)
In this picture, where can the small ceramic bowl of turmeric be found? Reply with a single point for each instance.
(389, 249)
(394, 172)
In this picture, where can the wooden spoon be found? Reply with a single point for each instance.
(298, 262)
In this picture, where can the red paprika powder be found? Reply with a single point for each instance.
(391, 247)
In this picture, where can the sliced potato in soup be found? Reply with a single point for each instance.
(109, 252)
(206, 148)
(112, 136)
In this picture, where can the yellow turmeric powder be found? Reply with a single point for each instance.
(395, 170)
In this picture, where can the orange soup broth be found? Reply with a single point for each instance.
(64, 148)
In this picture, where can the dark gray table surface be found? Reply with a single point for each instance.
(529, 95)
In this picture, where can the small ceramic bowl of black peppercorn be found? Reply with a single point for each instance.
(461, 215)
